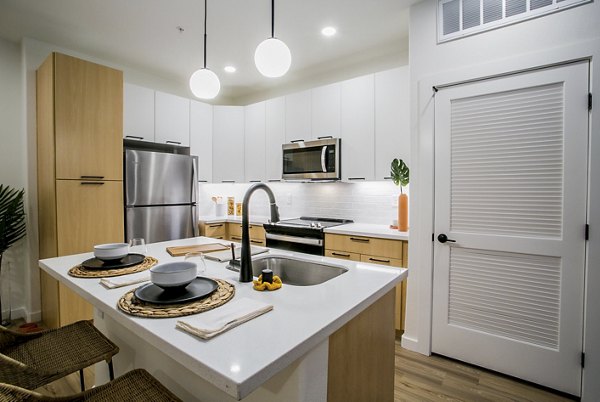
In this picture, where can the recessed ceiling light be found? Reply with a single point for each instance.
(328, 31)
(230, 69)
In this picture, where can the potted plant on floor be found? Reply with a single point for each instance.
(12, 227)
(400, 176)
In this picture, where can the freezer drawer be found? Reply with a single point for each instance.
(155, 224)
(155, 178)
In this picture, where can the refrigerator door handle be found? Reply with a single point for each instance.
(195, 229)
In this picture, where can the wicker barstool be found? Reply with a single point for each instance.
(36, 359)
(135, 386)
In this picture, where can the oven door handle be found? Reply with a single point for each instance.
(294, 239)
(323, 159)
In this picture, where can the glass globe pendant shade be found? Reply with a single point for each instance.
(272, 58)
(205, 84)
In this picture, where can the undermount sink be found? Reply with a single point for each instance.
(296, 271)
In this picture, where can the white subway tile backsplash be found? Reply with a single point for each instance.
(364, 202)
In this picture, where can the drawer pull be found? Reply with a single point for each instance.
(135, 137)
(341, 254)
(220, 237)
(220, 225)
(294, 141)
(358, 239)
(255, 241)
(378, 260)
(356, 178)
(173, 142)
(236, 238)
(92, 183)
(91, 177)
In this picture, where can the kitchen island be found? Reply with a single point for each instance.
(333, 341)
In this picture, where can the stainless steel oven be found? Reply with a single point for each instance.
(312, 160)
(304, 235)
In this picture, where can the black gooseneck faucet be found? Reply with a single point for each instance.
(246, 257)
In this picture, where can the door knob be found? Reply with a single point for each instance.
(442, 238)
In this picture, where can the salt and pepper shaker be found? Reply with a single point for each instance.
(267, 275)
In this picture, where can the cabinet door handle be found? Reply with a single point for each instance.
(202, 181)
(253, 181)
(324, 137)
(255, 241)
(216, 226)
(274, 180)
(378, 260)
(356, 178)
(358, 239)
(91, 177)
(134, 137)
(294, 141)
(236, 238)
(387, 178)
(227, 181)
(173, 142)
(92, 183)
(340, 254)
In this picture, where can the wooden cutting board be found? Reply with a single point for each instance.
(179, 251)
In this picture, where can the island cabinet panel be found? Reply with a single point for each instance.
(216, 230)
(80, 170)
(361, 356)
(88, 108)
(389, 252)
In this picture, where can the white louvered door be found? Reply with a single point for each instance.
(510, 189)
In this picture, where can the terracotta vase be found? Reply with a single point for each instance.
(403, 213)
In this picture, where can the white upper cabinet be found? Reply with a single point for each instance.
(358, 128)
(201, 134)
(228, 144)
(138, 113)
(298, 116)
(326, 112)
(392, 120)
(172, 119)
(254, 140)
(275, 137)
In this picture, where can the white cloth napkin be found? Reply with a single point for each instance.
(125, 280)
(221, 319)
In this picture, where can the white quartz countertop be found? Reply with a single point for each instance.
(369, 230)
(302, 317)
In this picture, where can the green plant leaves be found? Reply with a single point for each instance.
(12, 217)
(399, 172)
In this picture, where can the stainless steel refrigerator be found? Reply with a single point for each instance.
(161, 190)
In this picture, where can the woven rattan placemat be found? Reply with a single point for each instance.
(81, 272)
(132, 305)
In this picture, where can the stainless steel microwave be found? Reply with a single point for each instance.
(312, 160)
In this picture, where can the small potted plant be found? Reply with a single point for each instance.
(400, 176)
(12, 227)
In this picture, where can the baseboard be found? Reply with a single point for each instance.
(34, 316)
(413, 345)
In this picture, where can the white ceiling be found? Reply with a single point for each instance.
(143, 34)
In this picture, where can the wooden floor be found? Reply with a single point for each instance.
(418, 378)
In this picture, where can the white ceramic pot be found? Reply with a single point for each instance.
(173, 274)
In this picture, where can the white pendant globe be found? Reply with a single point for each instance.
(272, 58)
(205, 84)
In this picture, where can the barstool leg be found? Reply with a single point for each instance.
(81, 380)
(111, 371)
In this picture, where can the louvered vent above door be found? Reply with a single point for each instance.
(457, 18)
(507, 161)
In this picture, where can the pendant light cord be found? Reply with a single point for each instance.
(272, 18)
(205, 33)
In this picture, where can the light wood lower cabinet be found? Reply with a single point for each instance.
(375, 251)
(216, 230)
(233, 231)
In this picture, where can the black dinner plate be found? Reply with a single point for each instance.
(127, 261)
(197, 289)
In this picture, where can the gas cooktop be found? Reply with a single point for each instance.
(313, 222)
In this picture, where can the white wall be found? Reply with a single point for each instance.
(367, 202)
(12, 169)
(559, 37)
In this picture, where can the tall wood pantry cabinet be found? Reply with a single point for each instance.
(80, 170)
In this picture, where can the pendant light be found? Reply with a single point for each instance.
(272, 57)
(204, 83)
